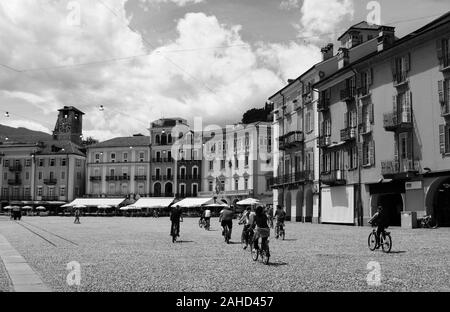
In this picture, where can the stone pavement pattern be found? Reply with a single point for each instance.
(22, 276)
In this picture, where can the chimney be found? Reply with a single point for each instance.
(290, 81)
(386, 38)
(343, 58)
(327, 52)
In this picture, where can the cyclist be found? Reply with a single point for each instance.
(262, 229)
(247, 219)
(270, 215)
(226, 219)
(380, 220)
(175, 218)
(280, 216)
(207, 217)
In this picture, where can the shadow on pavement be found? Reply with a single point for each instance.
(288, 240)
(277, 264)
(184, 242)
(398, 252)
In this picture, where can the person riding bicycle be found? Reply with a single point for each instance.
(247, 219)
(280, 217)
(262, 229)
(206, 216)
(175, 217)
(226, 219)
(380, 220)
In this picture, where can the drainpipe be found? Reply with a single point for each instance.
(320, 163)
(359, 205)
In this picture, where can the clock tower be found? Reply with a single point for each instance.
(69, 125)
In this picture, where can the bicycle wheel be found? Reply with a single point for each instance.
(283, 234)
(386, 243)
(372, 241)
(265, 255)
(200, 224)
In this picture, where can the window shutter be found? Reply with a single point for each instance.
(394, 105)
(440, 52)
(358, 82)
(371, 113)
(346, 120)
(410, 146)
(360, 116)
(442, 138)
(370, 77)
(372, 153)
(395, 149)
(393, 68)
(441, 91)
(360, 153)
(408, 62)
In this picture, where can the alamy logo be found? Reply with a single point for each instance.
(374, 276)
(374, 17)
(74, 16)
(74, 276)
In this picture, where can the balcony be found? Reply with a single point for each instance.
(291, 179)
(400, 78)
(365, 128)
(348, 134)
(400, 169)
(123, 178)
(324, 141)
(188, 177)
(348, 94)
(324, 104)
(15, 182)
(95, 179)
(111, 178)
(445, 109)
(401, 121)
(15, 168)
(50, 181)
(364, 91)
(140, 178)
(16, 198)
(333, 178)
(291, 140)
(162, 177)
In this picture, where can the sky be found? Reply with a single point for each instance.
(147, 59)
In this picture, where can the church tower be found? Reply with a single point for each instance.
(69, 125)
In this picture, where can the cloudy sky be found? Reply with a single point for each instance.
(147, 59)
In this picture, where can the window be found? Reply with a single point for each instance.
(444, 139)
(246, 184)
(5, 176)
(113, 157)
(27, 192)
(365, 154)
(63, 162)
(41, 162)
(443, 49)
(236, 163)
(5, 192)
(194, 190)
(195, 172)
(236, 184)
(39, 191)
(141, 157)
(210, 186)
(400, 68)
(28, 163)
(78, 162)
(52, 162)
(222, 164)
(97, 158)
(6, 163)
(27, 176)
(158, 173)
(77, 191)
(40, 176)
(211, 165)
(125, 157)
(169, 173)
(62, 191)
(183, 189)
(246, 160)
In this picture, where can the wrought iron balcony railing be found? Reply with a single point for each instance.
(334, 177)
(397, 121)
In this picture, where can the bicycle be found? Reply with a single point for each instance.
(385, 241)
(207, 225)
(227, 234)
(262, 251)
(427, 223)
(174, 232)
(247, 237)
(202, 223)
(280, 231)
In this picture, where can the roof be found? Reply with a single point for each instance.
(362, 26)
(124, 142)
(443, 20)
(55, 147)
(70, 108)
(95, 202)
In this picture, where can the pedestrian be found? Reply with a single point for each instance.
(77, 216)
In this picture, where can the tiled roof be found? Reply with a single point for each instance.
(124, 142)
(361, 25)
(55, 147)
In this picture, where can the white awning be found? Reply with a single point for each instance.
(248, 202)
(153, 202)
(95, 202)
(193, 202)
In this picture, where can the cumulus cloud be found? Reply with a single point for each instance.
(289, 4)
(320, 17)
(217, 84)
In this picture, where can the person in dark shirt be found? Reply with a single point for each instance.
(380, 220)
(226, 219)
(262, 229)
(176, 217)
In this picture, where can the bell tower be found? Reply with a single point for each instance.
(69, 125)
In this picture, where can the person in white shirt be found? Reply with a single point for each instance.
(247, 219)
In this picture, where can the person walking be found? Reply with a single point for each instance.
(77, 216)
(176, 217)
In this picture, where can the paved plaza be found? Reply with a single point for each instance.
(136, 254)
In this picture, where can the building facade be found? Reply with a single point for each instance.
(119, 167)
(46, 172)
(384, 128)
(237, 162)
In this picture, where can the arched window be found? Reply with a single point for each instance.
(195, 172)
(169, 138)
(157, 190)
(158, 139)
(164, 139)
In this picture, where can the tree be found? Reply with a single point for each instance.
(257, 115)
(90, 141)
